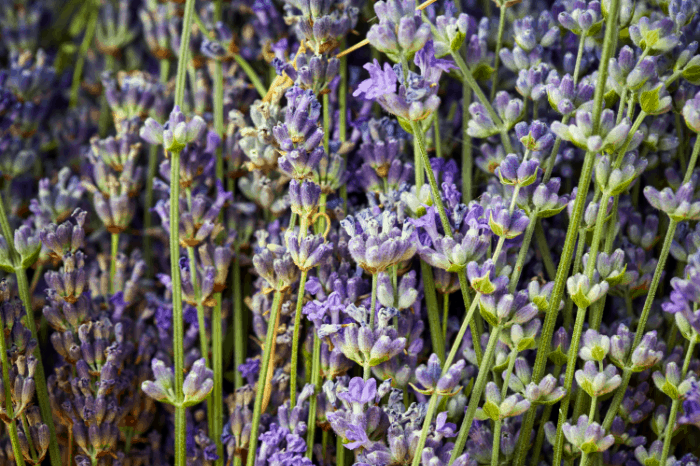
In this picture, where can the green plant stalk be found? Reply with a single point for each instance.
(326, 121)
(201, 321)
(437, 339)
(217, 401)
(656, 279)
(495, 449)
(152, 168)
(475, 396)
(339, 451)
(553, 154)
(295, 341)
(178, 326)
(668, 435)
(39, 375)
(520, 261)
(260, 389)
(418, 161)
(30, 442)
(113, 262)
(12, 425)
(469, 319)
(238, 330)
(343, 113)
(499, 44)
(467, 153)
(366, 368)
(471, 82)
(539, 440)
(579, 55)
(557, 293)
(313, 401)
(445, 314)
(251, 74)
(544, 250)
(432, 407)
(572, 355)
(437, 198)
(80, 63)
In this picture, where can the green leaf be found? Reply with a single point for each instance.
(482, 72)
(457, 41)
(492, 410)
(406, 125)
(649, 100)
(692, 74)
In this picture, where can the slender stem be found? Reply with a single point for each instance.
(260, 388)
(579, 55)
(419, 174)
(217, 400)
(499, 43)
(438, 145)
(182, 61)
(80, 63)
(522, 254)
(178, 325)
(467, 156)
(30, 442)
(252, 75)
(557, 292)
(432, 406)
(11, 426)
(475, 396)
(445, 314)
(539, 440)
(339, 451)
(572, 355)
(671, 424)
(469, 319)
(113, 262)
(201, 321)
(471, 82)
(496, 446)
(431, 304)
(313, 401)
(553, 154)
(238, 329)
(326, 122)
(367, 369)
(39, 376)
(295, 341)
(584, 459)
(693, 160)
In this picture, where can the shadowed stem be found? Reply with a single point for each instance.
(12, 425)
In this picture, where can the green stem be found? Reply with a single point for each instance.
(313, 401)
(326, 122)
(437, 340)
(438, 145)
(496, 447)
(238, 330)
(339, 451)
(217, 400)
(467, 155)
(469, 319)
(471, 82)
(432, 406)
(671, 424)
(252, 75)
(80, 63)
(39, 376)
(12, 425)
(201, 321)
(693, 160)
(264, 367)
(182, 61)
(367, 369)
(499, 43)
(539, 440)
(178, 326)
(553, 154)
(445, 314)
(475, 396)
(295, 341)
(113, 262)
(572, 355)
(30, 442)
(579, 55)
(522, 254)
